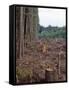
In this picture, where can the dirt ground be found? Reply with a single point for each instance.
(40, 55)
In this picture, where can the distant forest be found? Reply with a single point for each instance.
(52, 32)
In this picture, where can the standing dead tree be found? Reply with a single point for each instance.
(27, 23)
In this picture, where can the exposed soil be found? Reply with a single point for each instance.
(40, 55)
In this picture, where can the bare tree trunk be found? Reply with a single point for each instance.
(18, 32)
(21, 33)
(26, 28)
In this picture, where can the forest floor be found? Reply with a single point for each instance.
(40, 55)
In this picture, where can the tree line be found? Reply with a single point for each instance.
(52, 32)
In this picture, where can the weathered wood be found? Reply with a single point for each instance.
(17, 32)
(21, 33)
(59, 62)
(50, 75)
(26, 28)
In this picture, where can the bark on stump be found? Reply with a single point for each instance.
(50, 75)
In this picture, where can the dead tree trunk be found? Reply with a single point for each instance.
(18, 32)
(26, 28)
(21, 33)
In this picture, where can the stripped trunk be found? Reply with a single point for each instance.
(26, 28)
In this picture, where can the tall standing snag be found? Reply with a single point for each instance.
(27, 26)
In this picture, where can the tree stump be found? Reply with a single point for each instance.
(50, 75)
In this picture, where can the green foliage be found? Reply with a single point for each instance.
(52, 32)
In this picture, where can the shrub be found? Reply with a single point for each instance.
(23, 74)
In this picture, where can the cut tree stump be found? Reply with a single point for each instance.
(50, 75)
